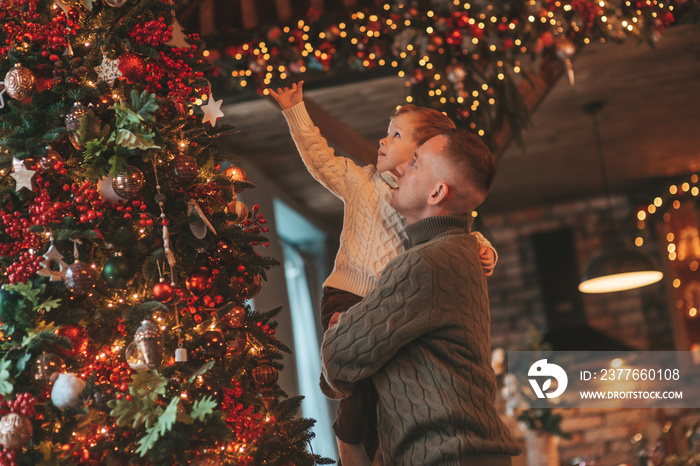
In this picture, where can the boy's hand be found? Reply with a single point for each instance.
(289, 97)
(488, 260)
(334, 320)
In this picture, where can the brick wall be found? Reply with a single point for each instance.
(640, 318)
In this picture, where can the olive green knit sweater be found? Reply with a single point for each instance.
(423, 334)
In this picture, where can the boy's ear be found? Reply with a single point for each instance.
(438, 194)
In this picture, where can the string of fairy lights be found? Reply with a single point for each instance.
(458, 56)
(682, 248)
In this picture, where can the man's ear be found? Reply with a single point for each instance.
(438, 194)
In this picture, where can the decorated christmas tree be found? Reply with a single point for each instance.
(126, 259)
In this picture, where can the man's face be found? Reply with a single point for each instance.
(416, 180)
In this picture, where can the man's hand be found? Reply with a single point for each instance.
(488, 260)
(289, 97)
(334, 320)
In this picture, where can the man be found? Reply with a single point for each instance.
(423, 333)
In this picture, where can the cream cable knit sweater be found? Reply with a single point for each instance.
(373, 232)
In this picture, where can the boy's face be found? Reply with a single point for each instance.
(398, 146)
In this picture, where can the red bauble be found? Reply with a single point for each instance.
(51, 161)
(76, 335)
(80, 277)
(235, 318)
(132, 67)
(199, 281)
(163, 291)
(184, 168)
(236, 174)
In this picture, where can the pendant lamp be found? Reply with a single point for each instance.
(619, 268)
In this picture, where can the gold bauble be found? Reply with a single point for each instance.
(19, 82)
(15, 431)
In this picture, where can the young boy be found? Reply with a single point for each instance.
(373, 234)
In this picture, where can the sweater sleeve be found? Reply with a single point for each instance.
(370, 333)
(334, 172)
(482, 242)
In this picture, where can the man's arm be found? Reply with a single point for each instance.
(370, 333)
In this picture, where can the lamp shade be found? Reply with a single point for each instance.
(619, 270)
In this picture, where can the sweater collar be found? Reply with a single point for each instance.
(429, 228)
(389, 178)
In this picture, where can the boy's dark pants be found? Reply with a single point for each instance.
(357, 415)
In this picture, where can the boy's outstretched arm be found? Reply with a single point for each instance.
(289, 97)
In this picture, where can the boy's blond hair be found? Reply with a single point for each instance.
(429, 123)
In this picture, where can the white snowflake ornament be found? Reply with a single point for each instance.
(108, 70)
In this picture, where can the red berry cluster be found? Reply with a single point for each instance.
(22, 404)
(206, 195)
(247, 425)
(108, 369)
(153, 33)
(24, 268)
(266, 328)
(86, 201)
(172, 72)
(23, 24)
(8, 457)
(17, 228)
(43, 210)
(254, 224)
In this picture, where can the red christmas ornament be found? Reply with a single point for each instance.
(79, 277)
(236, 174)
(235, 318)
(199, 281)
(77, 337)
(184, 168)
(51, 161)
(163, 291)
(132, 67)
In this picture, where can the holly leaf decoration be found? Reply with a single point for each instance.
(51, 303)
(145, 389)
(43, 331)
(202, 408)
(145, 104)
(133, 140)
(6, 385)
(117, 164)
(201, 371)
(125, 116)
(27, 291)
(160, 428)
(90, 129)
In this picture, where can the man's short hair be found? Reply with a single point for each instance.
(429, 122)
(473, 160)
